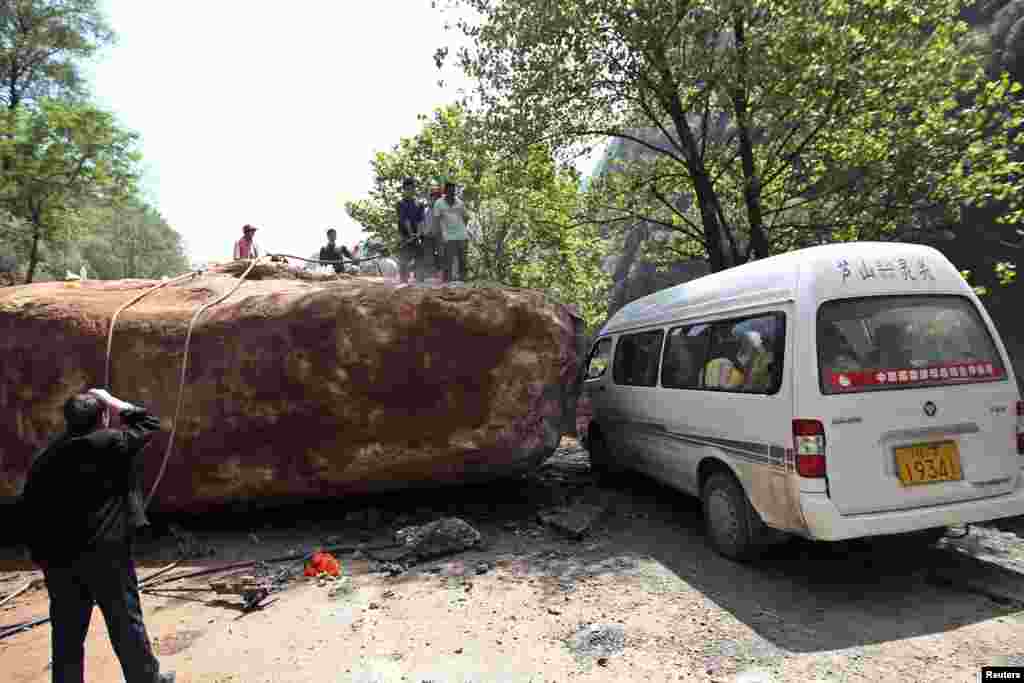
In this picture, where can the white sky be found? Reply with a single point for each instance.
(268, 113)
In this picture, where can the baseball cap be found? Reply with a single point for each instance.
(247, 227)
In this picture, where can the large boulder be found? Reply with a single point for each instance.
(299, 386)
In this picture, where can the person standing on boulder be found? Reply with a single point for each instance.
(410, 217)
(81, 506)
(430, 241)
(332, 252)
(450, 217)
(246, 248)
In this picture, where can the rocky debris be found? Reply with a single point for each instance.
(445, 536)
(341, 588)
(297, 390)
(392, 569)
(189, 545)
(598, 640)
(575, 520)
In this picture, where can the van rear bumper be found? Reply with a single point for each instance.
(824, 522)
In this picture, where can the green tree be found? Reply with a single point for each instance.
(42, 44)
(522, 208)
(65, 155)
(765, 125)
(130, 240)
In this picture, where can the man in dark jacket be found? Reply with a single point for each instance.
(410, 220)
(332, 252)
(82, 503)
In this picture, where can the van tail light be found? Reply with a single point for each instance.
(1020, 427)
(809, 446)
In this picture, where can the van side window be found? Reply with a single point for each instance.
(685, 354)
(636, 359)
(600, 357)
(746, 355)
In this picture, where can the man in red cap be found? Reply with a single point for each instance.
(246, 248)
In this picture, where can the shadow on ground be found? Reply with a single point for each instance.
(800, 597)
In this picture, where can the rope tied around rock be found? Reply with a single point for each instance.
(184, 360)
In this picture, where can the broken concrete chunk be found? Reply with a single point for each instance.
(598, 640)
(575, 520)
(443, 537)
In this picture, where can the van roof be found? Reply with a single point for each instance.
(841, 269)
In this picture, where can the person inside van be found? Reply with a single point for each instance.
(755, 362)
(837, 352)
(722, 373)
(892, 347)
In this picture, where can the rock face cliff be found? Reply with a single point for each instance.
(298, 387)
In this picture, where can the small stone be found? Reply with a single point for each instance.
(602, 661)
(374, 605)
(459, 651)
(552, 610)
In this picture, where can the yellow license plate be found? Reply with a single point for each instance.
(926, 463)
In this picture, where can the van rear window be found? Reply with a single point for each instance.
(879, 343)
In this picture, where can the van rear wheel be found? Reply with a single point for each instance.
(731, 523)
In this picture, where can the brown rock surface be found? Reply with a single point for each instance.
(297, 388)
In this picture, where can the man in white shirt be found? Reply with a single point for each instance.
(450, 216)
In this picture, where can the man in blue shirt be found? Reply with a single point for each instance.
(410, 218)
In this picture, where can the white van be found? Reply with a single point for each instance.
(835, 392)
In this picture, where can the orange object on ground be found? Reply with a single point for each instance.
(323, 563)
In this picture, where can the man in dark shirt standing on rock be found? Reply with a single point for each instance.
(332, 252)
(82, 504)
(410, 218)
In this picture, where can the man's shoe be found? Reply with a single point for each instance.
(166, 677)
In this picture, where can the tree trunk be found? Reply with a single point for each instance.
(33, 256)
(752, 185)
(714, 236)
(620, 279)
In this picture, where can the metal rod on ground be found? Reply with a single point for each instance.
(148, 585)
(159, 572)
(23, 627)
(273, 560)
(16, 593)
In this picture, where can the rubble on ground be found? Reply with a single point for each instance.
(575, 520)
(297, 390)
(189, 545)
(443, 537)
(598, 640)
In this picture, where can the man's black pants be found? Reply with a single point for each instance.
(104, 577)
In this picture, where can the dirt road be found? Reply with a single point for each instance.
(639, 598)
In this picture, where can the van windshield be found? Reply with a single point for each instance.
(879, 343)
